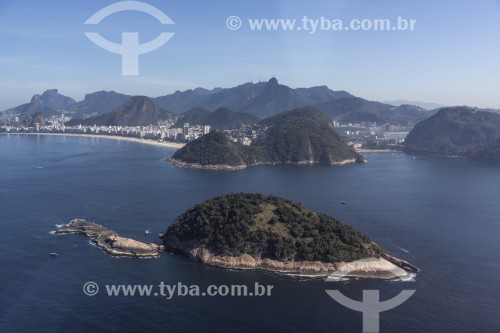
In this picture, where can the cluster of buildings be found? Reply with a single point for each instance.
(153, 132)
(246, 134)
(370, 135)
(365, 135)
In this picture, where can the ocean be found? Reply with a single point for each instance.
(443, 215)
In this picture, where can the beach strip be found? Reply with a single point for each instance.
(167, 144)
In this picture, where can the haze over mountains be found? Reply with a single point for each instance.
(262, 99)
(137, 111)
(98, 103)
(424, 105)
(50, 102)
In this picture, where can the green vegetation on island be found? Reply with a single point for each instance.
(457, 131)
(270, 227)
(215, 148)
(302, 136)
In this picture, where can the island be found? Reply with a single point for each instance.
(110, 241)
(301, 136)
(458, 132)
(254, 231)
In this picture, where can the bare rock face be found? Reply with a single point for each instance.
(110, 241)
(385, 267)
(197, 251)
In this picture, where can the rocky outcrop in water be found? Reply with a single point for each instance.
(110, 241)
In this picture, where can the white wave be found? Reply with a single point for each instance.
(333, 278)
(402, 248)
(410, 277)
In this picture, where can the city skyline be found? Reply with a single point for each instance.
(44, 47)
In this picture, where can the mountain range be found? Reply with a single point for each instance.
(262, 99)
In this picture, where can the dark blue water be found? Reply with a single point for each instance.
(444, 212)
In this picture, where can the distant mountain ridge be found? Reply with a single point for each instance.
(181, 101)
(49, 103)
(262, 99)
(138, 111)
(425, 105)
(357, 110)
(98, 103)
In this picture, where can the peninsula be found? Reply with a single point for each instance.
(301, 136)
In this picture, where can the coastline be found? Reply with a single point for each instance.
(115, 137)
(181, 164)
(384, 267)
(378, 151)
(228, 167)
(109, 241)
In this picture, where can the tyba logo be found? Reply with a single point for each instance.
(129, 49)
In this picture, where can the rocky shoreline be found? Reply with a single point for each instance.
(385, 267)
(110, 241)
(182, 164)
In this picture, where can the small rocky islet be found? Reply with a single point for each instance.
(110, 241)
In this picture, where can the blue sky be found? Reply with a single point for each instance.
(452, 56)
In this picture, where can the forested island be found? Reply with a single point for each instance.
(302, 136)
(458, 131)
(253, 231)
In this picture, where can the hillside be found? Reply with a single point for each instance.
(98, 103)
(180, 101)
(357, 110)
(48, 103)
(265, 99)
(271, 227)
(458, 131)
(30, 120)
(490, 153)
(215, 151)
(222, 118)
(246, 230)
(302, 136)
(138, 111)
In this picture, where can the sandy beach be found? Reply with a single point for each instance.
(114, 137)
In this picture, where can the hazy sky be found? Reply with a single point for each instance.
(452, 57)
